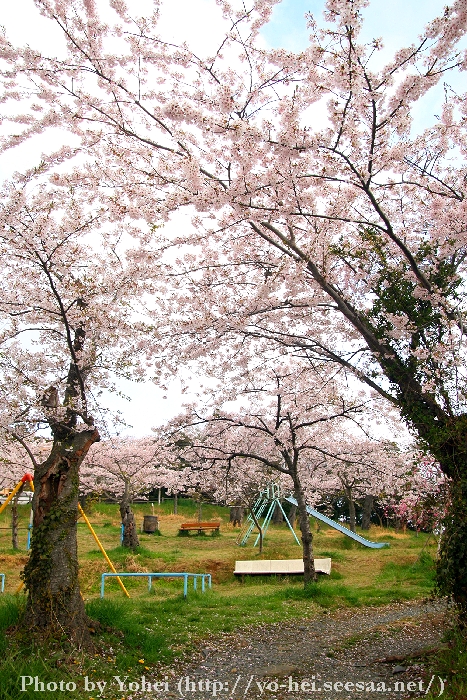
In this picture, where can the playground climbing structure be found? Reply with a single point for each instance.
(265, 505)
(264, 508)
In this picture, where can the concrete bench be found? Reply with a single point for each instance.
(265, 567)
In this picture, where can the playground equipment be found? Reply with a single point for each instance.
(265, 506)
(337, 526)
(150, 576)
(114, 574)
(17, 490)
(19, 486)
(114, 571)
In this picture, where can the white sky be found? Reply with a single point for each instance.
(199, 22)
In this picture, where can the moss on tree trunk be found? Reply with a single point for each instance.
(54, 605)
(452, 562)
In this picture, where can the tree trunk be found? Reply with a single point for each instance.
(277, 516)
(260, 529)
(14, 523)
(54, 606)
(175, 503)
(351, 504)
(452, 562)
(309, 573)
(236, 515)
(130, 534)
(292, 515)
(367, 508)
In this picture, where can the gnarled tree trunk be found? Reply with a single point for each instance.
(130, 534)
(54, 606)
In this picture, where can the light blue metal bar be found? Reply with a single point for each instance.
(28, 544)
(266, 521)
(341, 528)
(165, 574)
(258, 508)
(2, 576)
(289, 523)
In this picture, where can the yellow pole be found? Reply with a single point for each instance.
(17, 488)
(81, 511)
(26, 477)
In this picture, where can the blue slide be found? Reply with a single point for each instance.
(341, 528)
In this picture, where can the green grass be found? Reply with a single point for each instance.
(151, 628)
(420, 573)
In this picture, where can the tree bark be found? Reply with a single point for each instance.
(309, 573)
(351, 504)
(236, 515)
(367, 508)
(14, 523)
(278, 516)
(452, 563)
(54, 606)
(130, 534)
(175, 503)
(292, 516)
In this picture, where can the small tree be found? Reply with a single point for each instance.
(123, 469)
(288, 425)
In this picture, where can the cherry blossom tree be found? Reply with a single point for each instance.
(422, 502)
(67, 328)
(123, 469)
(289, 422)
(362, 467)
(337, 227)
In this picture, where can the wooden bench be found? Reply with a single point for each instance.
(199, 526)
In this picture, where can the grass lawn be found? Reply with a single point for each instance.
(151, 628)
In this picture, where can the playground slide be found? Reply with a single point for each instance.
(341, 528)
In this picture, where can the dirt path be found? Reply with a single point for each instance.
(348, 654)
